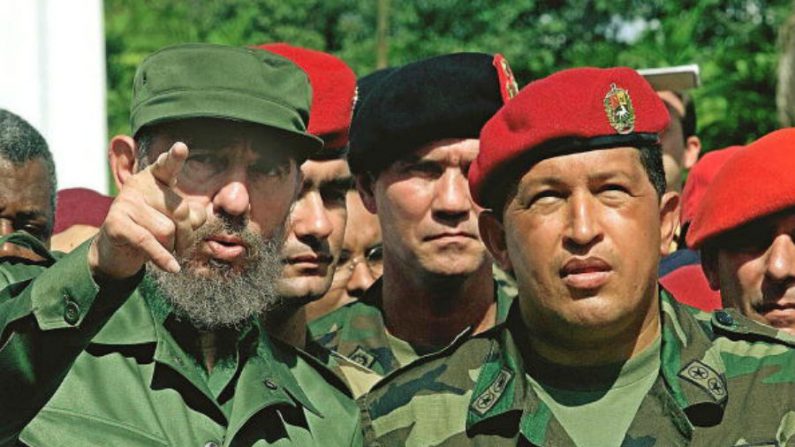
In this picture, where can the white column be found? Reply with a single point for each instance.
(52, 73)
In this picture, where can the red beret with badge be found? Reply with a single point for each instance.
(699, 178)
(570, 111)
(756, 182)
(333, 92)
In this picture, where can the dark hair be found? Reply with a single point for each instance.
(21, 143)
(650, 158)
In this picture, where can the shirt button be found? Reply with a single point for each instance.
(269, 384)
(724, 318)
(71, 312)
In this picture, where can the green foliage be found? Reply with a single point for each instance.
(734, 41)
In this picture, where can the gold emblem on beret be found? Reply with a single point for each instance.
(618, 107)
(508, 86)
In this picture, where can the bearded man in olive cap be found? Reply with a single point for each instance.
(148, 333)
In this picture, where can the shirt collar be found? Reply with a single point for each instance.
(141, 320)
(691, 368)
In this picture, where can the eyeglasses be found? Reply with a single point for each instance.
(373, 258)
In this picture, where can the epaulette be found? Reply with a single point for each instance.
(731, 324)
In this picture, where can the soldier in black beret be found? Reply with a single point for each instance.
(412, 141)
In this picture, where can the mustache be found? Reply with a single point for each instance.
(235, 226)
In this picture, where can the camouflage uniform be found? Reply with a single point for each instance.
(724, 380)
(357, 330)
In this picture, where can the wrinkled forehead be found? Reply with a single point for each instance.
(449, 151)
(583, 167)
(223, 137)
(28, 173)
(26, 185)
(320, 172)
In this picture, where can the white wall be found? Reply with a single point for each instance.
(52, 73)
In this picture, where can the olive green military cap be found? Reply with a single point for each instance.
(215, 81)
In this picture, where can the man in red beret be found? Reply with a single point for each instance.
(316, 224)
(361, 260)
(744, 229)
(681, 272)
(593, 352)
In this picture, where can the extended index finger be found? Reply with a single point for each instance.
(167, 166)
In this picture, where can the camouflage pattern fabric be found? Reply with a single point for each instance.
(724, 380)
(357, 330)
(506, 283)
(358, 378)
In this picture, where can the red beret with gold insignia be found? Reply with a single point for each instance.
(570, 111)
(757, 181)
(700, 177)
(333, 92)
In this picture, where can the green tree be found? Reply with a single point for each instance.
(734, 41)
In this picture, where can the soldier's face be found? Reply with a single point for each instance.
(238, 172)
(360, 262)
(246, 180)
(583, 235)
(427, 216)
(315, 230)
(754, 269)
(25, 204)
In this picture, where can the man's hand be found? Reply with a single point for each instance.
(148, 221)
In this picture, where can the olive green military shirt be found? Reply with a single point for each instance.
(357, 330)
(83, 364)
(723, 380)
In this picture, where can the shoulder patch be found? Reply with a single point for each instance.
(706, 378)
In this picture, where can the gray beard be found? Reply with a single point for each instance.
(223, 297)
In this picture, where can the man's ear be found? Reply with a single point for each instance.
(122, 154)
(692, 150)
(492, 232)
(365, 184)
(709, 263)
(669, 220)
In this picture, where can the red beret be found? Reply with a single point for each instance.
(700, 177)
(333, 92)
(80, 206)
(690, 286)
(573, 110)
(757, 181)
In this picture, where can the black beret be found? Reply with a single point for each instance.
(366, 84)
(449, 96)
